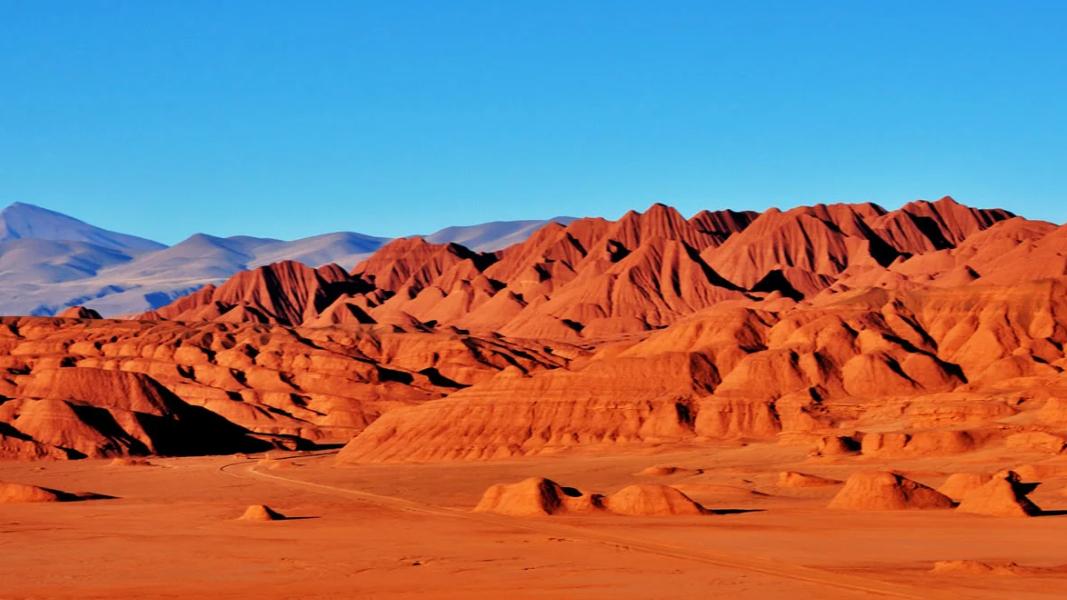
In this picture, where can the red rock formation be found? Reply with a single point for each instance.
(650, 500)
(728, 372)
(932, 329)
(11, 493)
(887, 491)
(285, 293)
(959, 485)
(79, 312)
(536, 496)
(1004, 495)
(261, 512)
(106, 388)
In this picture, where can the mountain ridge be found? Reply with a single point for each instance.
(50, 261)
(845, 330)
(593, 277)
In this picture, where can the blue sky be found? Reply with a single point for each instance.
(288, 119)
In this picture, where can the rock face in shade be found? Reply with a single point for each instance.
(887, 491)
(1004, 495)
(96, 412)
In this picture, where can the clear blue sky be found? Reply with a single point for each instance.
(295, 118)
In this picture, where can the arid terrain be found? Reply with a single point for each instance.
(831, 401)
(408, 531)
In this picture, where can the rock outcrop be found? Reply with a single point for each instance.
(538, 496)
(883, 490)
(934, 329)
(650, 500)
(70, 389)
(261, 512)
(1004, 495)
(12, 493)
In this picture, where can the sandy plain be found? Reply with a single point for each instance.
(407, 531)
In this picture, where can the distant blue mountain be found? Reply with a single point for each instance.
(49, 261)
(488, 237)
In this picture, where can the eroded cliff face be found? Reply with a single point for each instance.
(931, 329)
(942, 370)
(103, 388)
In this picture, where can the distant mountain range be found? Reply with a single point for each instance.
(50, 261)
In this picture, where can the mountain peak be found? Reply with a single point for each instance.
(18, 205)
(21, 220)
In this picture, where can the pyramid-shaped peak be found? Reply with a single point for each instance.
(659, 207)
(659, 221)
(656, 212)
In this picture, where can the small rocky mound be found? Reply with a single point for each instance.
(836, 445)
(664, 471)
(883, 490)
(261, 512)
(79, 312)
(1004, 495)
(11, 493)
(795, 479)
(653, 501)
(536, 496)
(959, 485)
(976, 567)
(131, 462)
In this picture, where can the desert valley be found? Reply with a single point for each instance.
(835, 401)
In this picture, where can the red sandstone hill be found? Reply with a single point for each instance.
(935, 328)
(72, 388)
(595, 278)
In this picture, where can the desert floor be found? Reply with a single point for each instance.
(383, 531)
